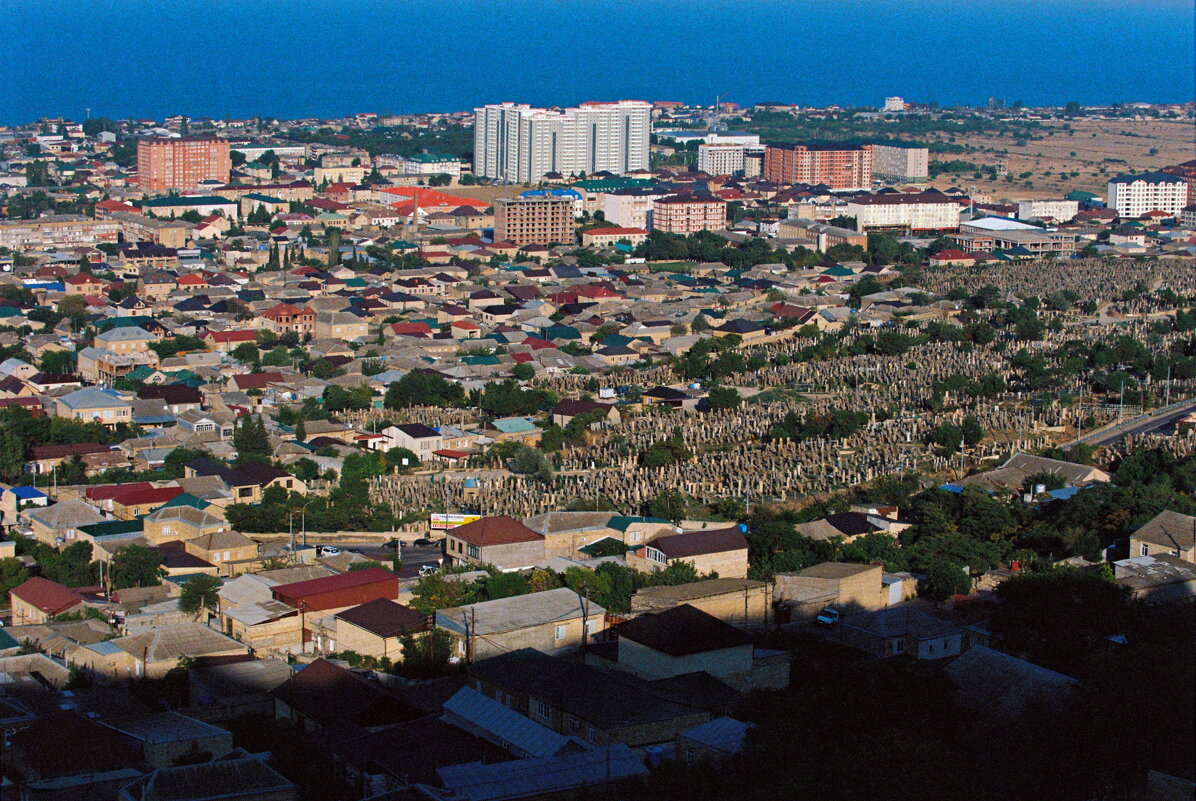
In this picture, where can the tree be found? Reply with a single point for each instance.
(668, 504)
(247, 353)
(200, 592)
(136, 566)
(58, 362)
(250, 439)
(523, 372)
(532, 462)
(946, 579)
(724, 398)
(12, 573)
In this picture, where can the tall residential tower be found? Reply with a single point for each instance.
(520, 144)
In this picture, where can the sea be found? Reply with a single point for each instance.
(327, 58)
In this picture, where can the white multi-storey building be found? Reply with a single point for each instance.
(900, 163)
(1134, 195)
(927, 211)
(520, 144)
(721, 158)
(630, 208)
(894, 104)
(1048, 210)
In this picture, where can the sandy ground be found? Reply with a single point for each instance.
(1096, 149)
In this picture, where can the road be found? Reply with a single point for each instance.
(1140, 425)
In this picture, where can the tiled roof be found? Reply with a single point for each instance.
(497, 530)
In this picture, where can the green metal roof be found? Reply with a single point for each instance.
(109, 527)
(623, 522)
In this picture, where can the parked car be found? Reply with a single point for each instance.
(427, 570)
(424, 541)
(828, 616)
(329, 550)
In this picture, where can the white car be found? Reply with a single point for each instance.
(330, 550)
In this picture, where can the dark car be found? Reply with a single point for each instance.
(424, 541)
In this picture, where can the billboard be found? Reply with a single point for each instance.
(443, 522)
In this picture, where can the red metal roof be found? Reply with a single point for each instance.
(311, 592)
(48, 596)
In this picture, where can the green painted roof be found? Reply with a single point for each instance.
(109, 527)
(124, 322)
(480, 360)
(197, 200)
(185, 499)
(623, 522)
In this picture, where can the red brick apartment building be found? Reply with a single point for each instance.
(688, 214)
(837, 166)
(164, 164)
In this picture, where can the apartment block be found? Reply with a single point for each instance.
(840, 167)
(520, 144)
(629, 208)
(721, 158)
(900, 164)
(924, 211)
(541, 220)
(688, 214)
(57, 231)
(1048, 210)
(182, 163)
(1134, 195)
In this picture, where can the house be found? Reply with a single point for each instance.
(67, 755)
(376, 628)
(59, 524)
(900, 631)
(843, 585)
(138, 502)
(44, 458)
(722, 551)
(552, 621)
(178, 398)
(227, 341)
(165, 738)
(998, 685)
(156, 652)
(331, 594)
(38, 600)
(738, 601)
(715, 739)
(415, 437)
(598, 707)
(849, 526)
(338, 704)
(550, 777)
(283, 318)
(235, 777)
(566, 410)
(92, 404)
(1158, 579)
(1010, 476)
(230, 551)
(685, 640)
(237, 689)
(500, 540)
(1167, 532)
(181, 522)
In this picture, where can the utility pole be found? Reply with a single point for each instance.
(1167, 390)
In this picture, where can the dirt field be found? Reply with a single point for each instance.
(1096, 149)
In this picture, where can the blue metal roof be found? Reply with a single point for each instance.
(521, 778)
(497, 723)
(27, 493)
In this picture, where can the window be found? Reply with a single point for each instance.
(591, 626)
(1144, 549)
(542, 711)
(560, 632)
(633, 536)
(472, 551)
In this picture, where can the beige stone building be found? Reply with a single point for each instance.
(740, 602)
(552, 622)
(377, 628)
